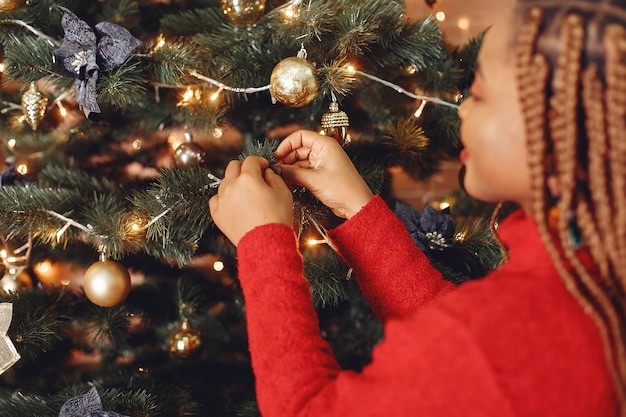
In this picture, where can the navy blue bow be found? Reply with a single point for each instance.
(84, 52)
(86, 405)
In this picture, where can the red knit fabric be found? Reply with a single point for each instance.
(512, 344)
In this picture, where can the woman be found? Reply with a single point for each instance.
(542, 335)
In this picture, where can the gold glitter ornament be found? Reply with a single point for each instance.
(8, 353)
(243, 12)
(189, 153)
(335, 123)
(34, 105)
(294, 81)
(106, 283)
(11, 5)
(186, 341)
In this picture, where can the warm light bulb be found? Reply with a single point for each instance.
(43, 267)
(11, 143)
(160, 42)
(218, 132)
(62, 109)
(440, 16)
(218, 266)
(463, 23)
(350, 68)
(2, 67)
(21, 168)
(188, 95)
(444, 205)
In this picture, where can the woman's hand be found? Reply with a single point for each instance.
(250, 195)
(320, 164)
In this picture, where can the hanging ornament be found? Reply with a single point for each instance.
(432, 3)
(294, 81)
(11, 5)
(189, 153)
(106, 282)
(14, 283)
(8, 353)
(34, 104)
(335, 123)
(87, 404)
(186, 341)
(243, 12)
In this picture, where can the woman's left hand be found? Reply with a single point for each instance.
(250, 195)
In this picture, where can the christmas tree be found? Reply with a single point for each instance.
(118, 118)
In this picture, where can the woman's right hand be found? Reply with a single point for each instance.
(319, 163)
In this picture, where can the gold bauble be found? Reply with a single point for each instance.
(294, 82)
(186, 341)
(243, 12)
(11, 5)
(34, 105)
(106, 283)
(188, 153)
(335, 123)
(15, 283)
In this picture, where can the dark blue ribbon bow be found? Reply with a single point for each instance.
(84, 52)
(86, 405)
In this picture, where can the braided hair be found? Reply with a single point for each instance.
(571, 71)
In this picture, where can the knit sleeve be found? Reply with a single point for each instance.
(417, 369)
(394, 275)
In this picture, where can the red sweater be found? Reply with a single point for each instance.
(514, 343)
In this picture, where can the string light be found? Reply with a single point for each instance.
(218, 266)
(420, 109)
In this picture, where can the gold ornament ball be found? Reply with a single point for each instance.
(243, 12)
(11, 5)
(188, 154)
(185, 342)
(106, 283)
(294, 82)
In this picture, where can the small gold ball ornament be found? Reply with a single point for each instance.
(294, 81)
(11, 5)
(335, 123)
(34, 105)
(186, 341)
(243, 12)
(189, 153)
(106, 283)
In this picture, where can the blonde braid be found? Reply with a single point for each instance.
(597, 298)
(614, 44)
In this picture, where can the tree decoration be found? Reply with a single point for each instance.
(86, 405)
(11, 5)
(106, 282)
(186, 341)
(189, 153)
(243, 12)
(335, 123)
(34, 105)
(83, 49)
(294, 81)
(8, 353)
